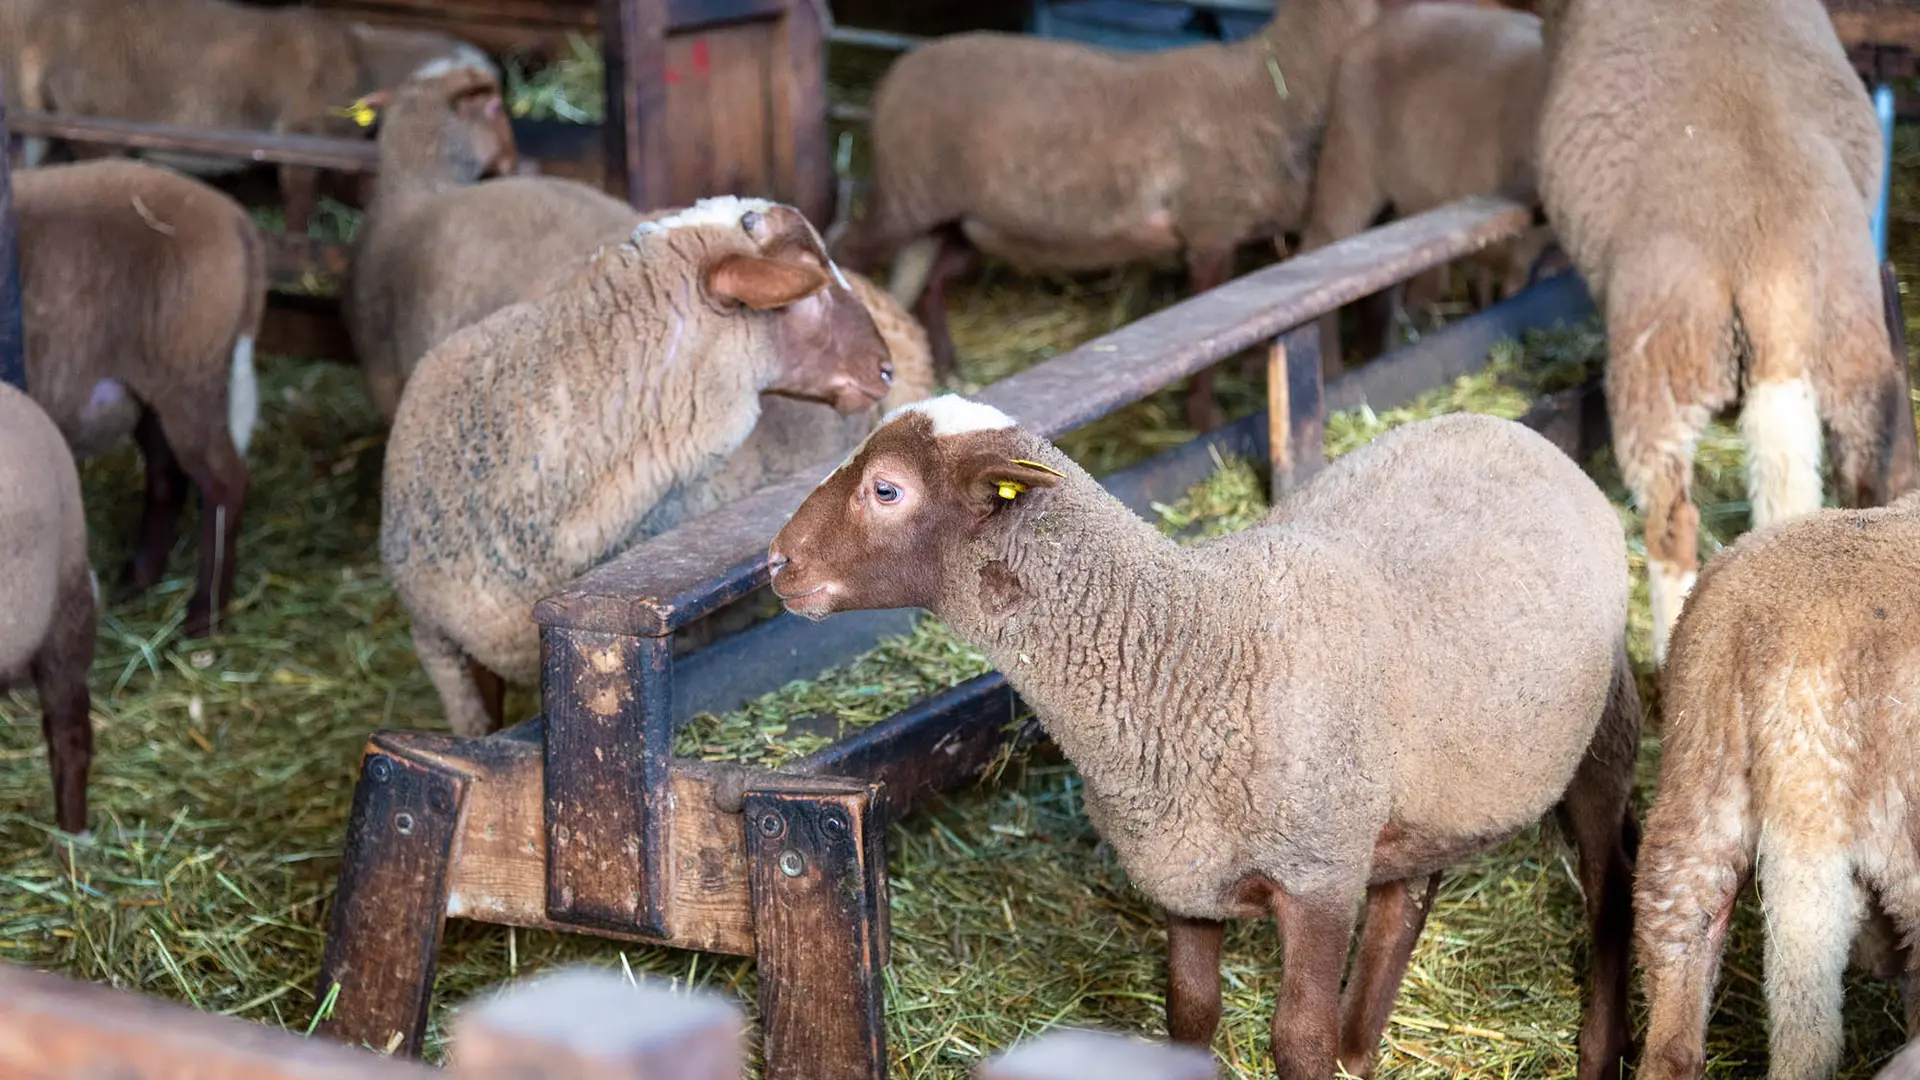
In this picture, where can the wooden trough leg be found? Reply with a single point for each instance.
(391, 904)
(817, 854)
(1904, 455)
(1296, 426)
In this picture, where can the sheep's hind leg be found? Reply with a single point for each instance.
(953, 258)
(60, 677)
(1315, 929)
(1813, 905)
(166, 494)
(1193, 979)
(1395, 917)
(452, 674)
(1207, 268)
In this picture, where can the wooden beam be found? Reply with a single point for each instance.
(706, 563)
(338, 155)
(13, 340)
(634, 50)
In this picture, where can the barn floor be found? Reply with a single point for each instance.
(224, 770)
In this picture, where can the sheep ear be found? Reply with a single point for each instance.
(1006, 481)
(762, 283)
(364, 111)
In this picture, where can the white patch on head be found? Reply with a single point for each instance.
(718, 210)
(1667, 589)
(1781, 423)
(462, 57)
(954, 415)
(243, 395)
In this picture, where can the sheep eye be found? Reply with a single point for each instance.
(885, 492)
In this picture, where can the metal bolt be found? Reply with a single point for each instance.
(403, 823)
(440, 799)
(772, 824)
(791, 864)
(835, 825)
(380, 769)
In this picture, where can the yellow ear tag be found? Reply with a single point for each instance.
(1010, 488)
(1037, 465)
(359, 112)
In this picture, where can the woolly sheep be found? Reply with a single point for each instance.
(1391, 673)
(530, 445)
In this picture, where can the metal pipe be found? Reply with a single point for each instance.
(875, 39)
(1883, 105)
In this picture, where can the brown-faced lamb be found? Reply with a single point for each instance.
(209, 63)
(1434, 102)
(47, 593)
(141, 293)
(530, 445)
(1059, 156)
(1710, 169)
(1789, 705)
(1392, 672)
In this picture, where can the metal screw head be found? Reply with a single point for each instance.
(380, 769)
(440, 799)
(403, 823)
(835, 824)
(772, 824)
(792, 864)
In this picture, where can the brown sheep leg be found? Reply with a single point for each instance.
(222, 483)
(1207, 268)
(493, 693)
(166, 494)
(451, 673)
(1395, 917)
(1862, 399)
(60, 676)
(953, 258)
(299, 194)
(1193, 979)
(1315, 930)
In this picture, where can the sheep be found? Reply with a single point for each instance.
(1788, 712)
(1432, 103)
(1060, 156)
(530, 445)
(1710, 169)
(209, 63)
(47, 593)
(141, 295)
(1390, 673)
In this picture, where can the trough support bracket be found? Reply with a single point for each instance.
(390, 907)
(1296, 424)
(608, 700)
(817, 864)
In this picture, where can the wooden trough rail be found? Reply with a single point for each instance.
(578, 1023)
(583, 819)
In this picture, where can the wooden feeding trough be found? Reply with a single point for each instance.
(583, 820)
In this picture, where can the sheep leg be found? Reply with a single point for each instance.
(1193, 979)
(1863, 398)
(1395, 917)
(1207, 268)
(452, 674)
(222, 482)
(59, 672)
(166, 495)
(493, 693)
(953, 258)
(1345, 198)
(1813, 906)
(1315, 929)
(1598, 816)
(299, 194)
(1693, 864)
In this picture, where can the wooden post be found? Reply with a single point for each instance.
(633, 41)
(608, 703)
(1071, 1054)
(818, 869)
(391, 904)
(589, 1024)
(1296, 421)
(1904, 454)
(13, 353)
(800, 111)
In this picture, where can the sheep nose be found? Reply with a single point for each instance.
(775, 561)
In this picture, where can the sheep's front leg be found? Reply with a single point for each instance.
(1193, 979)
(1395, 917)
(1207, 268)
(1315, 928)
(951, 260)
(452, 674)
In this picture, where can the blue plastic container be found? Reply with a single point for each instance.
(1148, 25)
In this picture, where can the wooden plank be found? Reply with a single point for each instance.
(583, 1023)
(687, 572)
(1296, 409)
(1884, 26)
(634, 50)
(818, 868)
(339, 155)
(13, 340)
(52, 1026)
(803, 163)
(608, 740)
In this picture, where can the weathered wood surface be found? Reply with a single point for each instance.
(674, 578)
(13, 341)
(318, 151)
(1296, 409)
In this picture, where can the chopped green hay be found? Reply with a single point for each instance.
(224, 768)
(571, 89)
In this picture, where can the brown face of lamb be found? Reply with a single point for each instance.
(872, 535)
(826, 346)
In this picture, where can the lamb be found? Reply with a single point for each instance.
(1059, 156)
(530, 445)
(1433, 103)
(47, 593)
(141, 294)
(210, 63)
(1228, 707)
(1712, 182)
(1789, 710)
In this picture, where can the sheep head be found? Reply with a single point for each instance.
(452, 113)
(764, 261)
(875, 533)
